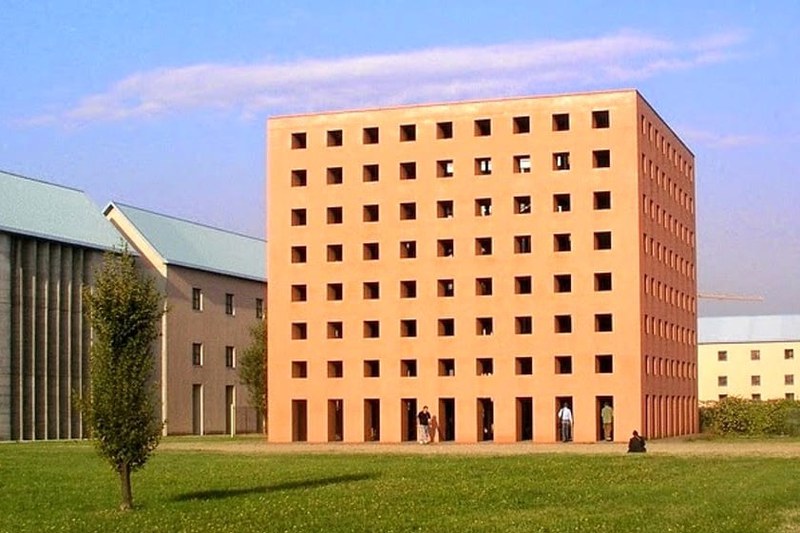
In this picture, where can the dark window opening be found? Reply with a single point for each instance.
(523, 366)
(335, 253)
(408, 249)
(483, 286)
(371, 135)
(372, 368)
(408, 211)
(408, 328)
(562, 203)
(601, 119)
(299, 254)
(602, 281)
(335, 369)
(335, 292)
(372, 290)
(446, 288)
(563, 364)
(562, 283)
(522, 205)
(602, 240)
(408, 368)
(299, 178)
(523, 285)
(444, 168)
(484, 366)
(372, 329)
(562, 242)
(408, 289)
(483, 166)
(335, 215)
(484, 326)
(522, 125)
(408, 171)
(602, 200)
(299, 293)
(299, 330)
(445, 248)
(601, 158)
(335, 330)
(299, 141)
(447, 327)
(371, 213)
(522, 244)
(371, 173)
(408, 132)
(483, 207)
(335, 138)
(522, 164)
(523, 325)
(603, 322)
(335, 175)
(561, 161)
(447, 367)
(483, 246)
(444, 209)
(483, 127)
(563, 324)
(604, 364)
(444, 130)
(299, 369)
(299, 217)
(371, 251)
(561, 122)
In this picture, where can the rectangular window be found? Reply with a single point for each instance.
(602, 240)
(230, 357)
(522, 164)
(523, 325)
(561, 122)
(483, 127)
(408, 368)
(562, 242)
(372, 368)
(444, 130)
(335, 215)
(408, 249)
(335, 369)
(755, 397)
(299, 178)
(372, 290)
(722, 355)
(197, 354)
(788, 379)
(563, 323)
(335, 175)
(299, 330)
(335, 138)
(561, 203)
(229, 309)
(604, 322)
(299, 141)
(483, 166)
(444, 168)
(372, 329)
(335, 253)
(601, 119)
(447, 327)
(789, 396)
(259, 308)
(299, 293)
(601, 158)
(372, 213)
(371, 173)
(483, 207)
(602, 281)
(335, 330)
(755, 381)
(522, 125)
(335, 292)
(444, 209)
(408, 132)
(371, 251)
(447, 367)
(371, 135)
(602, 200)
(484, 366)
(197, 299)
(299, 369)
(563, 364)
(788, 353)
(523, 285)
(722, 381)
(299, 217)
(408, 171)
(561, 161)
(523, 366)
(562, 283)
(755, 355)
(408, 328)
(604, 364)
(408, 289)
(446, 288)
(445, 248)
(483, 246)
(522, 244)
(522, 205)
(484, 326)
(408, 211)
(483, 286)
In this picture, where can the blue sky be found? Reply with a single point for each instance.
(163, 105)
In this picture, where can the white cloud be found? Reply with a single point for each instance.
(436, 74)
(719, 140)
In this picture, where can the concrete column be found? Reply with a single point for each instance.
(5, 337)
(64, 353)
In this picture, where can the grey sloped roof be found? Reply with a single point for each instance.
(189, 244)
(53, 212)
(763, 328)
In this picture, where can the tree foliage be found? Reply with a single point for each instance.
(252, 366)
(124, 309)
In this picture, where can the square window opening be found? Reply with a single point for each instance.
(483, 207)
(447, 327)
(335, 175)
(335, 330)
(562, 242)
(562, 203)
(299, 140)
(601, 158)
(445, 248)
(523, 325)
(372, 368)
(446, 288)
(372, 290)
(408, 171)
(602, 200)
(299, 330)
(299, 178)
(371, 213)
(483, 286)
(523, 285)
(483, 166)
(563, 323)
(408, 368)
(601, 119)
(522, 124)
(299, 217)
(483, 127)
(335, 369)
(602, 281)
(447, 367)
(371, 173)
(483, 246)
(604, 322)
(408, 249)
(604, 364)
(444, 209)
(335, 253)
(408, 289)
(408, 211)
(299, 293)
(522, 244)
(523, 366)
(335, 292)
(408, 328)
(299, 369)
(299, 254)
(444, 168)
(408, 132)
(372, 329)
(561, 161)
(522, 164)
(484, 366)
(335, 137)
(371, 251)
(560, 121)
(371, 135)
(602, 240)
(444, 130)
(562, 283)
(522, 205)
(335, 215)
(484, 326)
(563, 364)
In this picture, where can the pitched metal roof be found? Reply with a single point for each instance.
(193, 245)
(763, 328)
(53, 212)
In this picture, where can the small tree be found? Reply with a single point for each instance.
(124, 309)
(252, 367)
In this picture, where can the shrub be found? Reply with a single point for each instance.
(739, 416)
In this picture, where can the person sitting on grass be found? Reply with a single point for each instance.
(636, 444)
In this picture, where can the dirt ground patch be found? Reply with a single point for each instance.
(678, 446)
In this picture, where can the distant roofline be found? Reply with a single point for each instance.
(114, 203)
(49, 183)
(442, 103)
(58, 238)
(215, 271)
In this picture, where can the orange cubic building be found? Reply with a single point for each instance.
(492, 260)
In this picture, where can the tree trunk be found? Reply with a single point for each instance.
(125, 480)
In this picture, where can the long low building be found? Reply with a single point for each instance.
(749, 357)
(52, 239)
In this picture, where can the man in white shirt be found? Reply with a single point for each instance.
(565, 418)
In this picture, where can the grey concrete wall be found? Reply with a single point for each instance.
(5, 337)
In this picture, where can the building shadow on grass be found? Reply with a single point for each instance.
(219, 494)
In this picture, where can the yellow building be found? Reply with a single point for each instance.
(749, 357)
(492, 260)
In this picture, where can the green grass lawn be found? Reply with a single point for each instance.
(67, 487)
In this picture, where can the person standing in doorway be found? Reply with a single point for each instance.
(607, 416)
(565, 419)
(423, 427)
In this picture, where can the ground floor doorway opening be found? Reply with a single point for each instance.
(485, 419)
(408, 421)
(372, 420)
(524, 419)
(299, 421)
